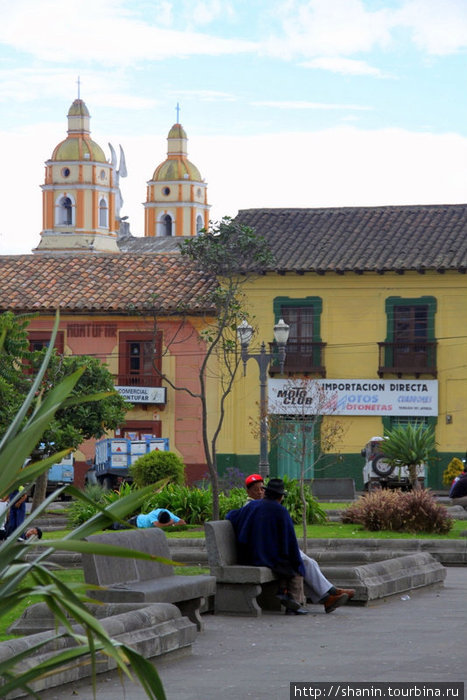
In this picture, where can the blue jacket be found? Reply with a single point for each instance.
(266, 537)
(459, 487)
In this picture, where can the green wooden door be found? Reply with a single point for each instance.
(295, 446)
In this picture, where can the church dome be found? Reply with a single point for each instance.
(176, 166)
(176, 169)
(78, 109)
(177, 132)
(79, 148)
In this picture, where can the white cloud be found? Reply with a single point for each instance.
(102, 30)
(344, 166)
(298, 104)
(30, 84)
(326, 27)
(346, 66)
(206, 11)
(437, 26)
(163, 10)
(206, 95)
(320, 29)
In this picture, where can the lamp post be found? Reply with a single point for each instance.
(263, 358)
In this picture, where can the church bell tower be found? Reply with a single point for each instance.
(80, 193)
(176, 202)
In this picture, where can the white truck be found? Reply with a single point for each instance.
(377, 473)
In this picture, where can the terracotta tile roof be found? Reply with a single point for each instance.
(100, 282)
(360, 239)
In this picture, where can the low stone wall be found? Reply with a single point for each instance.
(158, 630)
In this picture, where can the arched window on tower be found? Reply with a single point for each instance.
(103, 214)
(199, 224)
(64, 211)
(166, 228)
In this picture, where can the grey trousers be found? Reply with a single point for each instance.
(462, 501)
(316, 585)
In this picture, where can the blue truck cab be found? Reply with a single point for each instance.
(61, 474)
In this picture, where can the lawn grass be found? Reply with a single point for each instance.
(327, 530)
(66, 575)
(336, 505)
(352, 531)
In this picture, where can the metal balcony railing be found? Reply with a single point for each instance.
(407, 358)
(301, 357)
(136, 379)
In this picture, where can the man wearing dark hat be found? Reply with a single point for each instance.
(317, 587)
(266, 537)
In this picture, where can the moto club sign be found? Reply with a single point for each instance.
(350, 397)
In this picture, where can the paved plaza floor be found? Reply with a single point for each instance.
(421, 639)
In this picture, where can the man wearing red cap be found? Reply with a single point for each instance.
(317, 587)
(254, 487)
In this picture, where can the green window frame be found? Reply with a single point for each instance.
(390, 306)
(313, 302)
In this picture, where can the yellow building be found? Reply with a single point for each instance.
(376, 302)
(375, 298)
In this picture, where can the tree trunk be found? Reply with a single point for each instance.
(304, 523)
(414, 477)
(40, 490)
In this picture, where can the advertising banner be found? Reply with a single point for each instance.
(354, 397)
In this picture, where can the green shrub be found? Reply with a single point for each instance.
(236, 498)
(79, 511)
(293, 503)
(194, 505)
(454, 468)
(410, 511)
(157, 465)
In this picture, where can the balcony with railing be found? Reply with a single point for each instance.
(137, 379)
(402, 357)
(301, 358)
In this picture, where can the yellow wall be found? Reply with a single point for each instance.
(353, 321)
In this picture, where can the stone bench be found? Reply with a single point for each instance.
(245, 590)
(339, 489)
(140, 581)
(240, 590)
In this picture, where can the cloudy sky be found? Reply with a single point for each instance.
(286, 103)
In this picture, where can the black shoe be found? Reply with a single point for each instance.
(300, 611)
(288, 602)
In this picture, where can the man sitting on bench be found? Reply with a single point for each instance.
(317, 586)
(266, 537)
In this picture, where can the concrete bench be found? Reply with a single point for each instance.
(141, 581)
(240, 590)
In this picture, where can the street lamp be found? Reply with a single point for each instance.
(281, 335)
